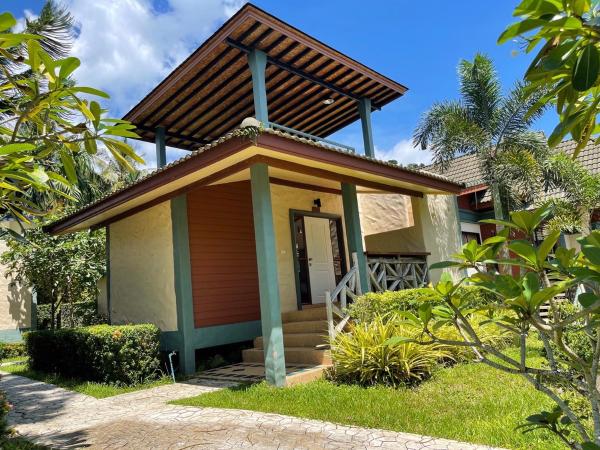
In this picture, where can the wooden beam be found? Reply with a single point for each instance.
(305, 186)
(328, 175)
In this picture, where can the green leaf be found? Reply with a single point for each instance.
(592, 253)
(15, 148)
(587, 299)
(444, 265)
(69, 165)
(546, 247)
(33, 48)
(7, 21)
(524, 249)
(516, 29)
(89, 90)
(67, 66)
(589, 446)
(585, 71)
(425, 313)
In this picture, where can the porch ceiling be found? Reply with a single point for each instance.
(291, 161)
(210, 93)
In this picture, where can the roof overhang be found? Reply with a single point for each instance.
(210, 93)
(292, 161)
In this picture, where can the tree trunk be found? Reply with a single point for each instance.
(586, 218)
(499, 214)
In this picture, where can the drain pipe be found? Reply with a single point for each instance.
(171, 364)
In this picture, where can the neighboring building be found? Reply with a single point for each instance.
(217, 247)
(16, 302)
(475, 200)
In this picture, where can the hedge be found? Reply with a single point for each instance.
(370, 305)
(123, 354)
(12, 349)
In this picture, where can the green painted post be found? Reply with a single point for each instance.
(108, 305)
(183, 284)
(364, 109)
(266, 257)
(257, 60)
(161, 149)
(353, 231)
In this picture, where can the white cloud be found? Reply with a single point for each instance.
(405, 153)
(127, 46)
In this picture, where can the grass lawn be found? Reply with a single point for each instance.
(98, 390)
(468, 402)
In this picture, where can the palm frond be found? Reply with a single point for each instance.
(55, 26)
(480, 89)
(447, 131)
(515, 111)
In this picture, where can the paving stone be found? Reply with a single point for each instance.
(62, 419)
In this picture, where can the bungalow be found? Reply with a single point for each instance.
(475, 199)
(238, 239)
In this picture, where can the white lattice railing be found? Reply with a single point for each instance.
(395, 274)
(337, 300)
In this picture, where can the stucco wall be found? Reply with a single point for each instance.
(283, 199)
(142, 287)
(15, 300)
(380, 213)
(438, 215)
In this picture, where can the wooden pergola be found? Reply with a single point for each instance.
(257, 65)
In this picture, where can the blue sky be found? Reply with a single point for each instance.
(416, 43)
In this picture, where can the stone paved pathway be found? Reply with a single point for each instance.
(142, 420)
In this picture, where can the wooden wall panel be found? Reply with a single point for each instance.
(223, 255)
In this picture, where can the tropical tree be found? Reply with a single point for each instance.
(46, 117)
(494, 127)
(579, 193)
(566, 36)
(570, 335)
(61, 269)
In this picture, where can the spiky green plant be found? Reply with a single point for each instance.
(364, 355)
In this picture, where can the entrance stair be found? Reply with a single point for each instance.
(304, 338)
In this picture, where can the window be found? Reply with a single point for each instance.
(470, 236)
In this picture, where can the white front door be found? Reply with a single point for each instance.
(320, 257)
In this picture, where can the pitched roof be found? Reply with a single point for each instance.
(310, 86)
(169, 173)
(466, 169)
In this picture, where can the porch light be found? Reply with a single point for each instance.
(328, 101)
(317, 202)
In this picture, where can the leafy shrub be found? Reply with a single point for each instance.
(70, 315)
(578, 337)
(12, 349)
(365, 356)
(371, 305)
(124, 354)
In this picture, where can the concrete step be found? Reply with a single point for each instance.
(293, 355)
(316, 313)
(309, 326)
(309, 340)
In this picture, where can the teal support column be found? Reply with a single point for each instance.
(353, 232)
(266, 256)
(161, 149)
(257, 60)
(108, 305)
(364, 109)
(183, 284)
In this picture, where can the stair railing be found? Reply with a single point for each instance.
(395, 274)
(336, 301)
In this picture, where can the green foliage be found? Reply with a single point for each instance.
(46, 116)
(570, 334)
(366, 356)
(12, 350)
(125, 354)
(69, 315)
(371, 305)
(494, 127)
(567, 63)
(62, 269)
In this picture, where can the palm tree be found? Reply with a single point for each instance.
(492, 126)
